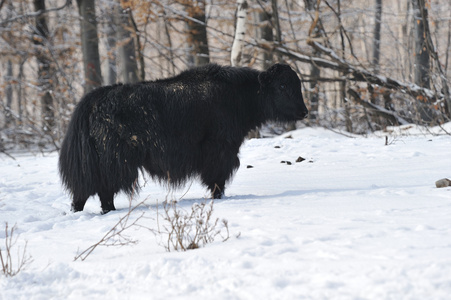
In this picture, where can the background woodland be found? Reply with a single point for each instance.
(364, 65)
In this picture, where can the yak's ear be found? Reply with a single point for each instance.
(267, 76)
(264, 78)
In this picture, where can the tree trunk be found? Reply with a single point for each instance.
(315, 73)
(342, 84)
(421, 54)
(90, 44)
(377, 36)
(170, 62)
(240, 32)
(9, 93)
(138, 50)
(376, 52)
(197, 34)
(126, 46)
(45, 70)
(276, 25)
(432, 51)
(111, 44)
(265, 35)
(20, 92)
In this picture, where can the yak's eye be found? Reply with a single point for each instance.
(282, 86)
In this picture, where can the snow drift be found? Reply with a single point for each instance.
(356, 219)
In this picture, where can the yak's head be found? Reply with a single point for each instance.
(281, 86)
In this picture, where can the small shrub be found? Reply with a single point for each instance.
(12, 263)
(180, 230)
(185, 230)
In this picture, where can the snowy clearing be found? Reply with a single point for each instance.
(357, 219)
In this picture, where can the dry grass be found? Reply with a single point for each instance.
(13, 262)
(182, 230)
(177, 229)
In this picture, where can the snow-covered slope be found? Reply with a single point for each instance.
(357, 219)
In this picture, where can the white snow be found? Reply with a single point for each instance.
(356, 220)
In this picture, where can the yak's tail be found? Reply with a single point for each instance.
(87, 170)
(79, 161)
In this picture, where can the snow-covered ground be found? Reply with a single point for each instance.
(357, 219)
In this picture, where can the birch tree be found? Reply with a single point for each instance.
(240, 33)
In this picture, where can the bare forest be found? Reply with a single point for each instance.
(364, 65)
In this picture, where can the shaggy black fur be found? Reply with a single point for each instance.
(190, 125)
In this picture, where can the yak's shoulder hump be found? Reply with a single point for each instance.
(212, 72)
(228, 74)
(236, 75)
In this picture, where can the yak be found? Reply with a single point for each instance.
(190, 125)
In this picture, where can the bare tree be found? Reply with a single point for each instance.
(111, 43)
(265, 34)
(432, 50)
(90, 44)
(377, 36)
(197, 32)
(8, 92)
(45, 67)
(422, 65)
(276, 26)
(315, 72)
(126, 44)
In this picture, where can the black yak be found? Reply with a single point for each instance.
(189, 125)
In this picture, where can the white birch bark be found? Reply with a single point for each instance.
(240, 32)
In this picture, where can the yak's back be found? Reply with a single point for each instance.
(214, 73)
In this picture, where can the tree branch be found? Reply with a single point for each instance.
(359, 74)
(34, 14)
(390, 115)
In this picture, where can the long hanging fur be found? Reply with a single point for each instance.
(189, 125)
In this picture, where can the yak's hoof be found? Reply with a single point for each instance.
(74, 208)
(218, 195)
(105, 211)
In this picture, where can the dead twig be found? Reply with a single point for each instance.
(115, 236)
(12, 266)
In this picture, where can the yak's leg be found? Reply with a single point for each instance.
(217, 188)
(78, 202)
(106, 200)
(217, 170)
